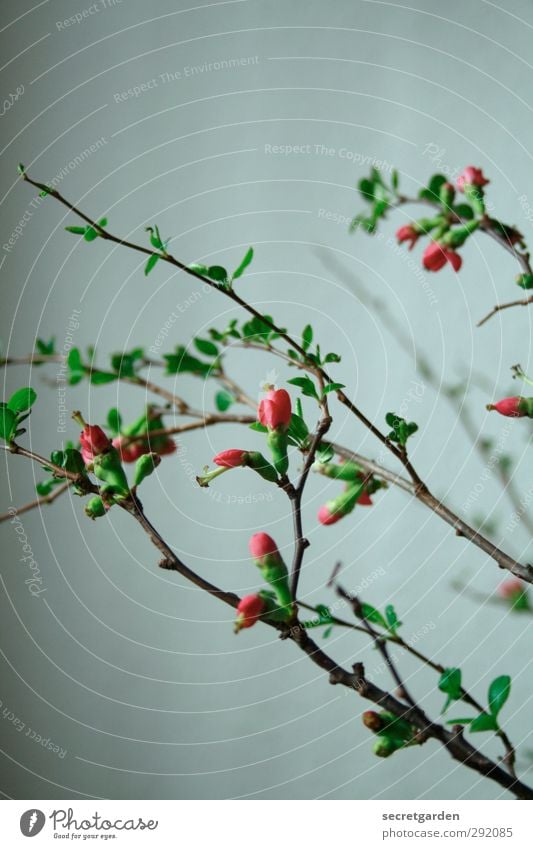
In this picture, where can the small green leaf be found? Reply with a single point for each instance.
(150, 265)
(484, 722)
(217, 273)
(8, 423)
(450, 683)
(22, 400)
(499, 691)
(20, 168)
(155, 237)
(223, 400)
(78, 231)
(395, 180)
(307, 336)
(90, 234)
(114, 421)
(298, 429)
(99, 378)
(325, 452)
(199, 269)
(259, 427)
(45, 348)
(74, 360)
(332, 387)
(373, 615)
(460, 721)
(366, 189)
(306, 386)
(206, 347)
(464, 210)
(332, 358)
(245, 262)
(392, 619)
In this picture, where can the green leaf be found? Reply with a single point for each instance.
(98, 378)
(245, 262)
(44, 488)
(332, 358)
(306, 386)
(20, 168)
(217, 273)
(114, 420)
(8, 423)
(450, 683)
(332, 387)
(298, 429)
(78, 231)
(484, 722)
(499, 691)
(395, 180)
(152, 262)
(206, 347)
(22, 400)
(259, 427)
(45, 348)
(325, 452)
(223, 400)
(182, 361)
(373, 615)
(90, 234)
(460, 721)
(392, 619)
(433, 190)
(74, 360)
(198, 268)
(155, 237)
(464, 210)
(366, 189)
(307, 336)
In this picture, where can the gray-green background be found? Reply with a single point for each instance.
(135, 674)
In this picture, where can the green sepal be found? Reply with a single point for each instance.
(277, 441)
(525, 281)
(95, 508)
(475, 196)
(256, 461)
(108, 468)
(145, 465)
(525, 406)
(344, 472)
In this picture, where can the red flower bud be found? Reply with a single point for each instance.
(365, 500)
(275, 410)
(249, 610)
(231, 458)
(511, 588)
(162, 446)
(508, 407)
(93, 441)
(372, 720)
(327, 516)
(129, 451)
(407, 233)
(471, 176)
(436, 256)
(261, 545)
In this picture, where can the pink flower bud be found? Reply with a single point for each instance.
(471, 176)
(326, 516)
(249, 610)
(261, 545)
(275, 410)
(231, 458)
(93, 441)
(436, 256)
(511, 588)
(407, 233)
(508, 407)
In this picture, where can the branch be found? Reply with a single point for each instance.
(37, 502)
(522, 302)
(458, 747)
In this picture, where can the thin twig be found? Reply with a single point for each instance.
(37, 502)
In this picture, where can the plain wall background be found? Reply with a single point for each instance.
(135, 674)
